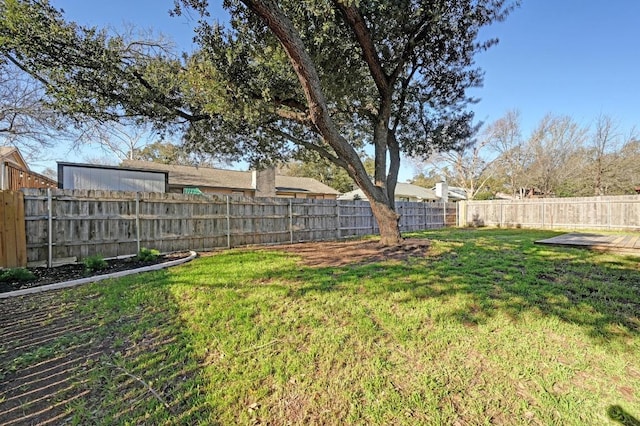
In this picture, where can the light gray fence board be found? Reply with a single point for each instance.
(86, 223)
(614, 213)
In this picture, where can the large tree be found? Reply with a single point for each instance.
(325, 76)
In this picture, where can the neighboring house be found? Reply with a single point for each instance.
(111, 178)
(453, 193)
(15, 173)
(404, 192)
(411, 192)
(264, 183)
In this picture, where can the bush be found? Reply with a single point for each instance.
(16, 274)
(147, 255)
(95, 263)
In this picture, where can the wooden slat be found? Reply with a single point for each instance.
(13, 246)
(104, 222)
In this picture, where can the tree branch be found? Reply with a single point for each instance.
(360, 30)
(26, 70)
(283, 29)
(311, 146)
(161, 100)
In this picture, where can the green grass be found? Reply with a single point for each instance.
(488, 329)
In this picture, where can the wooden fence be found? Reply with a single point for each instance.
(13, 249)
(614, 213)
(68, 225)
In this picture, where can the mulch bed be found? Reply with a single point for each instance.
(78, 270)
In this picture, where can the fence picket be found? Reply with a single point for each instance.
(118, 223)
(607, 212)
(13, 248)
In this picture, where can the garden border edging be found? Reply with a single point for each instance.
(73, 283)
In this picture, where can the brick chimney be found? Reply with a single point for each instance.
(264, 182)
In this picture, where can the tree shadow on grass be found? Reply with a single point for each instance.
(599, 292)
(618, 414)
(110, 353)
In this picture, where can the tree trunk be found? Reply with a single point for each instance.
(282, 28)
(388, 222)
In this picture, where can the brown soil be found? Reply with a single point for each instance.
(340, 253)
(74, 271)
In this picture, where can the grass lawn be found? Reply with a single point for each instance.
(487, 329)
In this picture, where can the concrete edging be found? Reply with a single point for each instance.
(80, 281)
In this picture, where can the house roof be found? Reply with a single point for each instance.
(12, 154)
(403, 190)
(232, 179)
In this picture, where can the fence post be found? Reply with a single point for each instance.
(290, 221)
(228, 223)
(138, 220)
(609, 214)
(373, 223)
(457, 215)
(426, 224)
(50, 229)
(338, 231)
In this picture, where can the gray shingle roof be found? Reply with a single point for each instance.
(233, 179)
(403, 190)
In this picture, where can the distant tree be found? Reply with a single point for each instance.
(627, 160)
(513, 156)
(604, 141)
(102, 160)
(50, 173)
(164, 153)
(25, 120)
(427, 178)
(552, 144)
(119, 140)
(466, 166)
(327, 77)
(321, 170)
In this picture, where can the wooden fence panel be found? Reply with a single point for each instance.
(613, 212)
(13, 241)
(109, 223)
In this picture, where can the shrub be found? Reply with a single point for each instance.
(16, 274)
(147, 255)
(94, 263)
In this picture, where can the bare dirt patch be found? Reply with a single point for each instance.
(341, 253)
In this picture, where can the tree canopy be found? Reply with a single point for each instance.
(323, 76)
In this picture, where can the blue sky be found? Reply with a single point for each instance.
(572, 57)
